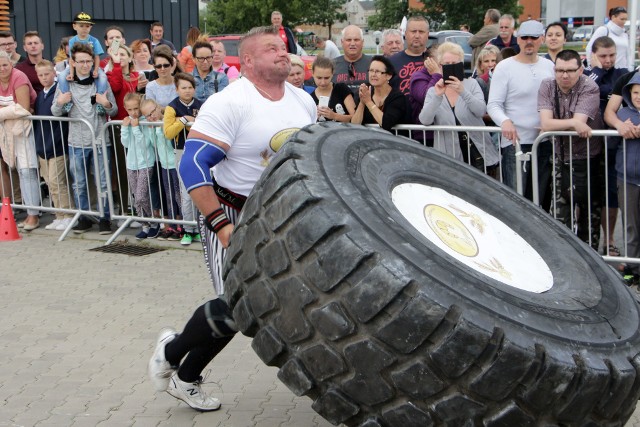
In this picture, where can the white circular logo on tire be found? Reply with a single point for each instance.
(473, 237)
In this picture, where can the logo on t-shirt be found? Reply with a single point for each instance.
(275, 143)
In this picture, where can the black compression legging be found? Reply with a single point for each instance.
(209, 330)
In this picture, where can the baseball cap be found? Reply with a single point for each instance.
(84, 18)
(531, 28)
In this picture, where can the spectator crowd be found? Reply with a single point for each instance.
(154, 92)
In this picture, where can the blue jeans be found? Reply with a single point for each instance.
(509, 166)
(102, 83)
(30, 188)
(80, 165)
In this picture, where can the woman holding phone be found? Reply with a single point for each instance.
(335, 101)
(459, 101)
(141, 49)
(380, 103)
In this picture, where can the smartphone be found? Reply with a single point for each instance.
(115, 45)
(323, 101)
(455, 70)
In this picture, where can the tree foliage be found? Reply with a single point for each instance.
(389, 14)
(239, 16)
(442, 14)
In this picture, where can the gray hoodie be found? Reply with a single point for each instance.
(79, 133)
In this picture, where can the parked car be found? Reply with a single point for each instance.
(231, 41)
(583, 33)
(457, 37)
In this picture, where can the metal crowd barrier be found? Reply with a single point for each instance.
(423, 134)
(26, 194)
(116, 177)
(123, 212)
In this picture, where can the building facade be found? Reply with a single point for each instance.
(573, 12)
(53, 18)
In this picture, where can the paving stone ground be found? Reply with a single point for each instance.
(77, 329)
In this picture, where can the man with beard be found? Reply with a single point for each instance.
(513, 105)
(243, 125)
(506, 38)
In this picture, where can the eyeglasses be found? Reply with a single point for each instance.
(567, 72)
(4, 45)
(86, 62)
(351, 70)
(159, 66)
(204, 58)
(529, 37)
(374, 72)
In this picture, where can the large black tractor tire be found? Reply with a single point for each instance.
(396, 287)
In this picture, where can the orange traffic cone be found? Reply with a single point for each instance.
(8, 226)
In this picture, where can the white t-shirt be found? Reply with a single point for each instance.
(331, 51)
(253, 127)
(514, 95)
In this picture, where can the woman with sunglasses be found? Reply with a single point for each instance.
(380, 103)
(163, 89)
(615, 29)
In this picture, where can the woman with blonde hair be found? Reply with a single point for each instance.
(459, 103)
(296, 75)
(487, 60)
(185, 57)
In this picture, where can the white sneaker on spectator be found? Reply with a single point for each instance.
(63, 224)
(54, 225)
(192, 394)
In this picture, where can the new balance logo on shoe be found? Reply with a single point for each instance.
(192, 391)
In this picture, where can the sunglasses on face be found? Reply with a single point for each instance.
(159, 66)
(352, 70)
(529, 37)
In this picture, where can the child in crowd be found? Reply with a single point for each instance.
(82, 26)
(140, 162)
(82, 150)
(51, 147)
(179, 112)
(164, 147)
(631, 188)
(629, 191)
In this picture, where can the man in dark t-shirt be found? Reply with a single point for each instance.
(626, 129)
(352, 68)
(411, 59)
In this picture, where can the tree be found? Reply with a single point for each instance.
(324, 12)
(239, 16)
(389, 14)
(441, 14)
(453, 13)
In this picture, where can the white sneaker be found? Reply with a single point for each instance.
(54, 224)
(159, 369)
(63, 224)
(192, 394)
